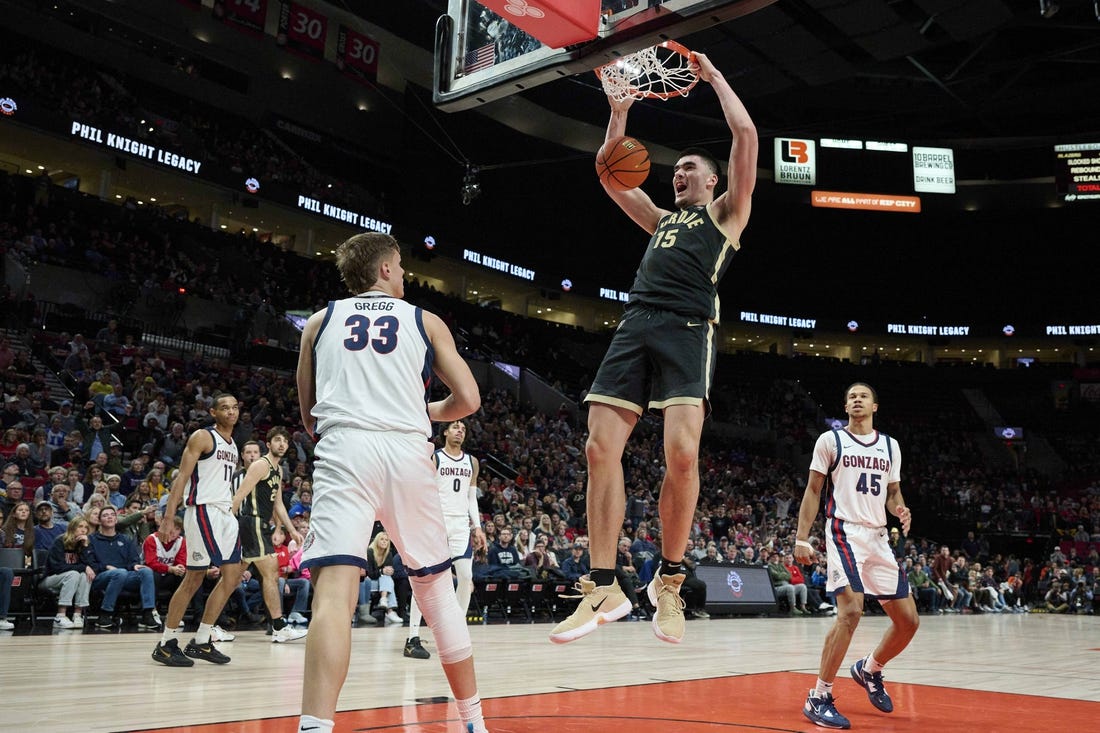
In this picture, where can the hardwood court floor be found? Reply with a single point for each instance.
(998, 673)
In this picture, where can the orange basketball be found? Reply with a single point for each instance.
(622, 163)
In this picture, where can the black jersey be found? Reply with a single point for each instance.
(686, 257)
(260, 502)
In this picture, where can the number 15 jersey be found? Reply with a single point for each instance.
(857, 471)
(372, 363)
(686, 257)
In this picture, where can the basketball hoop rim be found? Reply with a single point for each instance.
(678, 48)
(671, 45)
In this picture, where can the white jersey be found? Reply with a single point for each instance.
(372, 362)
(453, 477)
(857, 470)
(212, 480)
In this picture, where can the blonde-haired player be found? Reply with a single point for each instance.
(364, 374)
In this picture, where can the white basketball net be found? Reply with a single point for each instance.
(655, 73)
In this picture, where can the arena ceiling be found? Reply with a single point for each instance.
(917, 69)
(993, 79)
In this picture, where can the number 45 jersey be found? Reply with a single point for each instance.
(857, 470)
(372, 363)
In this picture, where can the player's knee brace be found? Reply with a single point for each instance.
(436, 598)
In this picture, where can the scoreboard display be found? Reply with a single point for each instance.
(873, 167)
(1077, 171)
(871, 175)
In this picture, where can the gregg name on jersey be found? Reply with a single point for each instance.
(374, 305)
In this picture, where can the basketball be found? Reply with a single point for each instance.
(622, 163)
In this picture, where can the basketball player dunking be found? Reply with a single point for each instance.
(258, 502)
(662, 358)
(456, 479)
(364, 372)
(860, 470)
(213, 538)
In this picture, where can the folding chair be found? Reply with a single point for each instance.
(42, 597)
(515, 596)
(488, 594)
(23, 584)
(543, 596)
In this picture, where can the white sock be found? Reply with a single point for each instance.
(872, 665)
(169, 634)
(470, 712)
(310, 724)
(823, 688)
(202, 636)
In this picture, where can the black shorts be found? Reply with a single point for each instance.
(255, 539)
(657, 359)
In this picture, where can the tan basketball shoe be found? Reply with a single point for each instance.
(664, 594)
(599, 604)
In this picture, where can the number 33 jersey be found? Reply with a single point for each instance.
(372, 363)
(857, 470)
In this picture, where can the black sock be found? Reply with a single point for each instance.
(668, 567)
(602, 577)
(278, 623)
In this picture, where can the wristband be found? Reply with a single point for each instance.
(803, 543)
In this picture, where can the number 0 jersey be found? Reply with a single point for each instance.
(686, 257)
(857, 471)
(212, 479)
(453, 478)
(372, 362)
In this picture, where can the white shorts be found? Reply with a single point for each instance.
(860, 557)
(458, 537)
(365, 475)
(213, 536)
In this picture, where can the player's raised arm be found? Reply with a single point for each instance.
(635, 203)
(735, 203)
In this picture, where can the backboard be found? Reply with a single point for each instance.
(480, 57)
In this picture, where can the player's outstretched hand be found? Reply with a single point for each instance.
(620, 106)
(702, 66)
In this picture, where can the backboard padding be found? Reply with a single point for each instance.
(469, 73)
